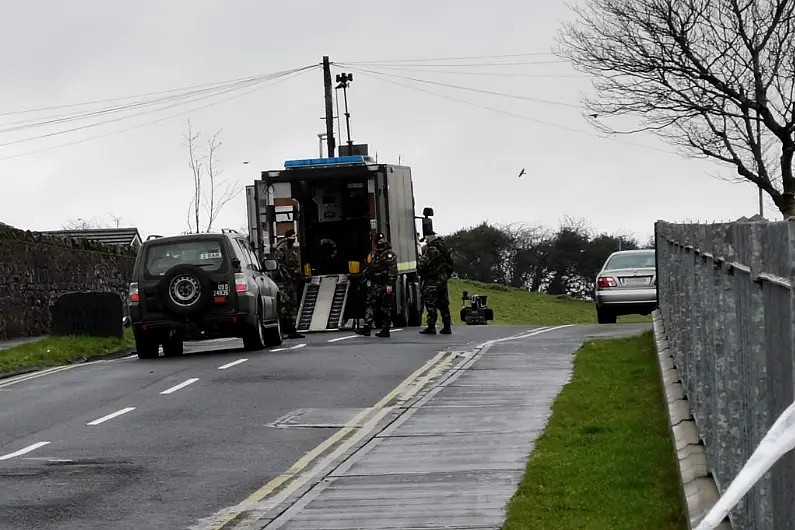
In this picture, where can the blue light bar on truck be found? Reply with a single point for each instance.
(335, 161)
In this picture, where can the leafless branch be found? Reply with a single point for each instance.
(713, 77)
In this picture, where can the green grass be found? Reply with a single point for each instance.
(55, 351)
(605, 459)
(519, 307)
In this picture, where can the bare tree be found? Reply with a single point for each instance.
(112, 221)
(713, 77)
(210, 192)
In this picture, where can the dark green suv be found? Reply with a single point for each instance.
(201, 287)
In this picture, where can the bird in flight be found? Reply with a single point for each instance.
(522, 172)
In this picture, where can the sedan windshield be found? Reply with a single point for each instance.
(205, 253)
(641, 260)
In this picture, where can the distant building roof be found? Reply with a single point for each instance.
(108, 236)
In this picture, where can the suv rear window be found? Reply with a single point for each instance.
(641, 260)
(209, 254)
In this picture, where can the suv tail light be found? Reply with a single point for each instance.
(134, 296)
(240, 282)
(605, 283)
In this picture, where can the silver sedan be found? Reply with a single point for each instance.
(626, 285)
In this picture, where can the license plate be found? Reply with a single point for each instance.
(222, 289)
(636, 281)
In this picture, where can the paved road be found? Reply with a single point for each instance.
(163, 443)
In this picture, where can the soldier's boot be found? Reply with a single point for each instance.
(384, 333)
(365, 331)
(292, 333)
(430, 330)
(446, 329)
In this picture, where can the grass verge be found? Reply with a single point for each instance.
(605, 459)
(518, 307)
(56, 351)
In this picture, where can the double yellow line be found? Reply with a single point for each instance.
(362, 425)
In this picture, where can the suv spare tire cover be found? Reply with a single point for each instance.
(185, 289)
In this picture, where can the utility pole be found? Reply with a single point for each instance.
(331, 147)
(761, 202)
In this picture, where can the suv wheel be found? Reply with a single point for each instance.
(173, 347)
(146, 346)
(273, 336)
(254, 337)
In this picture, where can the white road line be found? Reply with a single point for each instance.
(298, 346)
(277, 349)
(180, 386)
(116, 414)
(233, 363)
(396, 330)
(24, 451)
(346, 337)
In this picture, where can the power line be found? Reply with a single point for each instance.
(469, 64)
(159, 120)
(63, 118)
(470, 89)
(514, 115)
(533, 54)
(123, 98)
(82, 127)
(412, 68)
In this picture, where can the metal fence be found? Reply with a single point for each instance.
(727, 300)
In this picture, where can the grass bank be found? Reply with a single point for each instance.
(55, 351)
(518, 307)
(605, 459)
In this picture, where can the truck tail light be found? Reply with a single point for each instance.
(134, 295)
(605, 283)
(240, 282)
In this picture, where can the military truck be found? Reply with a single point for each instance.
(337, 206)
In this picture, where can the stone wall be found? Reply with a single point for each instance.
(35, 269)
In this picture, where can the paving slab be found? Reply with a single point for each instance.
(430, 454)
(455, 500)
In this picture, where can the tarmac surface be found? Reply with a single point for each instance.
(333, 431)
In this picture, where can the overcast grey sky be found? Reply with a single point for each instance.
(465, 160)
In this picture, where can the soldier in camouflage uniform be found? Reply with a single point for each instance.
(288, 278)
(382, 275)
(435, 267)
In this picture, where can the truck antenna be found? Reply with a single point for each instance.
(330, 143)
(344, 81)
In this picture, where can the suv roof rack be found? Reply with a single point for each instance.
(153, 236)
(230, 231)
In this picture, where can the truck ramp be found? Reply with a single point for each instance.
(323, 303)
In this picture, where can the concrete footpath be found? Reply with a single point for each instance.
(454, 458)
(12, 343)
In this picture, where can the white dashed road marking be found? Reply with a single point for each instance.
(116, 414)
(24, 451)
(233, 363)
(180, 386)
(297, 346)
(346, 337)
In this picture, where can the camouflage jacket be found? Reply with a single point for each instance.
(383, 269)
(435, 263)
(289, 265)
